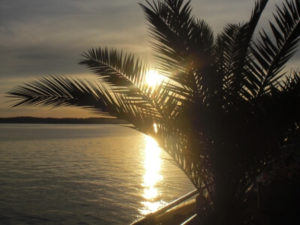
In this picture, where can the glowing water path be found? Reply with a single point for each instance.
(152, 176)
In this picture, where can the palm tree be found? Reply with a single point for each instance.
(225, 109)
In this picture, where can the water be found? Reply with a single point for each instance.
(82, 174)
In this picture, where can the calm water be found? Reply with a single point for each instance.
(82, 174)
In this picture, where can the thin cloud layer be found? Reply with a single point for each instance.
(42, 37)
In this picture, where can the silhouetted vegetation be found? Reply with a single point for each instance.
(226, 112)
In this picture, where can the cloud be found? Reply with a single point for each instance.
(42, 37)
(49, 36)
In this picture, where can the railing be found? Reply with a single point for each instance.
(150, 217)
(189, 220)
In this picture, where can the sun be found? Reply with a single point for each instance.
(153, 78)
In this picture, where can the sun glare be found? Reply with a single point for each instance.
(153, 78)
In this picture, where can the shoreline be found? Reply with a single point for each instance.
(38, 120)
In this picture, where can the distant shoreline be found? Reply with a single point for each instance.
(37, 120)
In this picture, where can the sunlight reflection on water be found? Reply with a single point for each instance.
(74, 174)
(152, 176)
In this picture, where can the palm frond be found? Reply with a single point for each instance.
(270, 57)
(291, 83)
(57, 91)
(63, 91)
(233, 56)
(122, 71)
(124, 74)
(242, 84)
(181, 41)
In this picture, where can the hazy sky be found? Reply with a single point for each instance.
(42, 37)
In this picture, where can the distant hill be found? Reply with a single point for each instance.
(62, 120)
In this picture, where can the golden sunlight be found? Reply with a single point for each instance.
(152, 176)
(153, 78)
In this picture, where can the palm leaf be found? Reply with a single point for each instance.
(57, 91)
(120, 70)
(233, 56)
(181, 41)
(270, 57)
(124, 74)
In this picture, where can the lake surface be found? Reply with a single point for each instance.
(82, 174)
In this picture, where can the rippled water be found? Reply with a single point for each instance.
(82, 174)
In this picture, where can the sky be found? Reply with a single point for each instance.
(41, 37)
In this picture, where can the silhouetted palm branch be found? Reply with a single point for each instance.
(60, 91)
(223, 114)
(271, 57)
